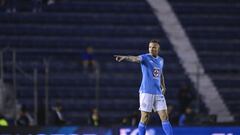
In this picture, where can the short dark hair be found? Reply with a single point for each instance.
(154, 41)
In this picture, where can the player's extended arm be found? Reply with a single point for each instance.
(120, 58)
(163, 84)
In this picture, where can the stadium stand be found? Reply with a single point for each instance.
(214, 31)
(63, 30)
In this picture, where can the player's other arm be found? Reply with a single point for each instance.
(120, 58)
(163, 84)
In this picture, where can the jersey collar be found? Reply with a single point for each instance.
(153, 57)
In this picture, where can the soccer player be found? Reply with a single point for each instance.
(152, 89)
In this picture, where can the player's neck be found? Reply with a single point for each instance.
(154, 56)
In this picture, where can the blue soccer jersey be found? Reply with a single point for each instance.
(151, 74)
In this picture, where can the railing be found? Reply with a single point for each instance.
(34, 78)
(31, 77)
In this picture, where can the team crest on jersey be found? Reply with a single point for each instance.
(156, 72)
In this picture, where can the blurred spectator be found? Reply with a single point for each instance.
(11, 6)
(3, 121)
(2, 3)
(57, 115)
(94, 119)
(185, 98)
(187, 118)
(125, 121)
(36, 6)
(131, 120)
(89, 63)
(24, 118)
(173, 114)
(50, 2)
(134, 119)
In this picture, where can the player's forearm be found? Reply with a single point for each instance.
(163, 82)
(132, 58)
(163, 85)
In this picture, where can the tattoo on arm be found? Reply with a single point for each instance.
(132, 59)
(120, 58)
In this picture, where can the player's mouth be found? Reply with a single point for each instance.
(153, 52)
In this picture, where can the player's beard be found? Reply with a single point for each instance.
(154, 53)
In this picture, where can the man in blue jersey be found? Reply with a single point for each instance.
(152, 89)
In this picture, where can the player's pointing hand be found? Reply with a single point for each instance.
(119, 58)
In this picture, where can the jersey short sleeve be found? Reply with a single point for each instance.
(142, 58)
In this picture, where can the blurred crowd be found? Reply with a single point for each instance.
(12, 6)
(184, 113)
